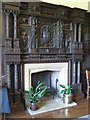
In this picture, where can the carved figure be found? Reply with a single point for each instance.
(25, 42)
(67, 41)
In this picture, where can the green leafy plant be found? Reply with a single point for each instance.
(36, 93)
(66, 89)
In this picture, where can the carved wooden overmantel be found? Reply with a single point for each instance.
(44, 33)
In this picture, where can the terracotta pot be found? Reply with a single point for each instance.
(33, 106)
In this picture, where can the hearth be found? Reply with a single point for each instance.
(49, 105)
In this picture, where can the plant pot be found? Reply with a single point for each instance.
(68, 98)
(33, 106)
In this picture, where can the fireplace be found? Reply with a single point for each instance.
(40, 40)
(47, 72)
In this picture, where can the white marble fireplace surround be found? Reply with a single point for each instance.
(62, 73)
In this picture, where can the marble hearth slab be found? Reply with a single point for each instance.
(50, 105)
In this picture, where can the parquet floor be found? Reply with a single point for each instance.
(81, 109)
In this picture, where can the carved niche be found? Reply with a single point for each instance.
(46, 35)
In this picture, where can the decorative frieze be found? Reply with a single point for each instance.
(38, 58)
(12, 58)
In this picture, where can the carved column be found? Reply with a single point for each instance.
(15, 26)
(7, 25)
(78, 72)
(15, 40)
(79, 33)
(15, 77)
(8, 76)
(74, 73)
(75, 30)
(8, 41)
(69, 72)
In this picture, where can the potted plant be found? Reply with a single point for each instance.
(67, 93)
(35, 94)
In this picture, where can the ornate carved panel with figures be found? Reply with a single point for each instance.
(38, 32)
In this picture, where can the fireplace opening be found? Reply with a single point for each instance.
(53, 74)
(50, 78)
